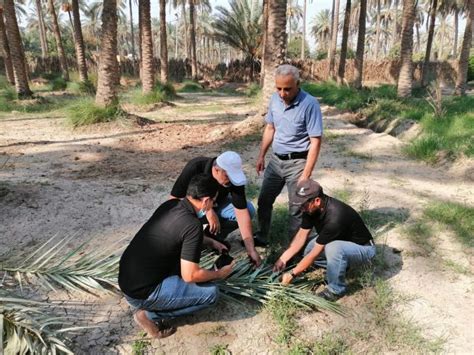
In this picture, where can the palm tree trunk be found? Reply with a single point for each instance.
(163, 43)
(16, 51)
(264, 40)
(79, 42)
(332, 49)
(192, 20)
(345, 35)
(275, 46)
(303, 38)
(429, 42)
(187, 49)
(108, 66)
(377, 30)
(5, 51)
(59, 43)
(359, 60)
(395, 36)
(466, 47)
(456, 33)
(42, 29)
(146, 38)
(405, 79)
(131, 29)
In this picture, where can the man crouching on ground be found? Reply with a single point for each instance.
(343, 240)
(159, 271)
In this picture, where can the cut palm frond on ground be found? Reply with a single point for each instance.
(30, 327)
(79, 269)
(262, 285)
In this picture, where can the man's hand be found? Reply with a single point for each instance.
(219, 246)
(255, 258)
(302, 178)
(279, 266)
(286, 279)
(225, 271)
(214, 225)
(260, 166)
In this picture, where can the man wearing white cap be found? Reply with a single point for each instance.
(232, 210)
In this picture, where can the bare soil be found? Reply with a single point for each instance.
(103, 182)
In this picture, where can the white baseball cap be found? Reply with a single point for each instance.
(232, 164)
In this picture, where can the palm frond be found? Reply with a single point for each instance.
(262, 285)
(77, 270)
(27, 326)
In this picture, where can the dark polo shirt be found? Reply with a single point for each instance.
(171, 234)
(203, 165)
(337, 221)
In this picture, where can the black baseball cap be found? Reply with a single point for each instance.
(306, 190)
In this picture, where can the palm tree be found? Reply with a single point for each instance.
(131, 28)
(16, 51)
(108, 66)
(359, 60)
(345, 35)
(59, 43)
(146, 46)
(5, 50)
(293, 14)
(275, 45)
(405, 80)
(334, 31)
(240, 27)
(192, 36)
(163, 43)
(321, 29)
(429, 42)
(42, 29)
(303, 36)
(466, 47)
(79, 41)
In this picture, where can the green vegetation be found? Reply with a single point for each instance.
(239, 143)
(457, 217)
(283, 312)
(81, 87)
(219, 349)
(420, 233)
(253, 90)
(139, 346)
(85, 112)
(191, 86)
(160, 93)
(447, 129)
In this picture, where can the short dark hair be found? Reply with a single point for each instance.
(202, 185)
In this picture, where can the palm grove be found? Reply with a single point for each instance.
(270, 32)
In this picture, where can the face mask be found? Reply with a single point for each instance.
(201, 213)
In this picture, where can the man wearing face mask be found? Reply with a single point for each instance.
(159, 271)
(343, 240)
(231, 210)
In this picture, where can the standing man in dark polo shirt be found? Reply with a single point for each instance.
(159, 271)
(343, 239)
(294, 129)
(231, 210)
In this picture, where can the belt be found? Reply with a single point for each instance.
(290, 156)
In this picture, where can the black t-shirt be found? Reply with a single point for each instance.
(172, 233)
(203, 165)
(338, 221)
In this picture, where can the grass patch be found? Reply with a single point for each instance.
(139, 346)
(283, 313)
(420, 234)
(457, 217)
(358, 155)
(191, 86)
(160, 93)
(456, 267)
(58, 84)
(219, 349)
(85, 112)
(81, 87)
(450, 132)
(242, 142)
(343, 195)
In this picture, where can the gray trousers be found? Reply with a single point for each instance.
(277, 174)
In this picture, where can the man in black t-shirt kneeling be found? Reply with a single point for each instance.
(343, 240)
(159, 271)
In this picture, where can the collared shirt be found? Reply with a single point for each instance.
(171, 234)
(337, 221)
(294, 124)
(203, 165)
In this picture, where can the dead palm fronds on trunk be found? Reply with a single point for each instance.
(29, 327)
(76, 270)
(263, 285)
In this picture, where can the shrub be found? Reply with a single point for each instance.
(160, 93)
(86, 112)
(58, 84)
(470, 68)
(253, 90)
(191, 86)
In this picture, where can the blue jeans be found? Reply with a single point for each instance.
(226, 210)
(337, 257)
(277, 174)
(174, 297)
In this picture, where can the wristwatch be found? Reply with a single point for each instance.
(293, 275)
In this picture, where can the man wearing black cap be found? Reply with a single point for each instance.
(343, 239)
(231, 210)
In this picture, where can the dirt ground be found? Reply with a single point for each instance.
(104, 182)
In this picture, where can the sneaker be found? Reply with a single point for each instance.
(328, 295)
